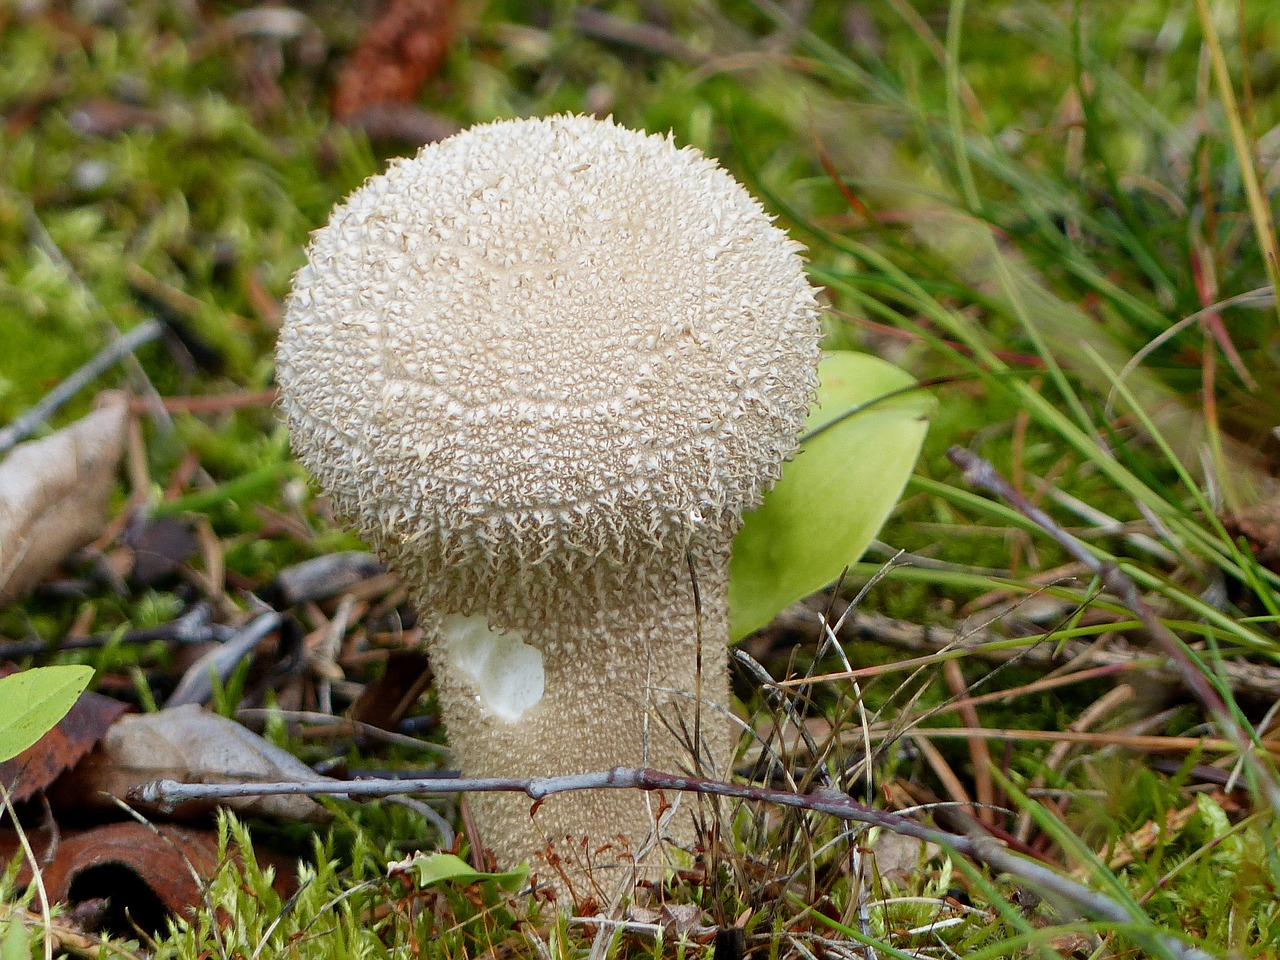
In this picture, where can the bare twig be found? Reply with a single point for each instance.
(981, 474)
(1039, 650)
(325, 576)
(142, 384)
(194, 626)
(327, 725)
(830, 802)
(196, 685)
(641, 36)
(112, 353)
(212, 403)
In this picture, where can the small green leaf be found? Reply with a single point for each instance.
(17, 939)
(440, 867)
(834, 496)
(33, 701)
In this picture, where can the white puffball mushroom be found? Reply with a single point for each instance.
(544, 367)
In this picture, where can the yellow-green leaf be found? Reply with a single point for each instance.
(33, 701)
(446, 867)
(835, 495)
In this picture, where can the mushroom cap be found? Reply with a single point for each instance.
(542, 348)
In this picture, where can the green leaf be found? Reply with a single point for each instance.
(33, 701)
(834, 496)
(441, 867)
(17, 940)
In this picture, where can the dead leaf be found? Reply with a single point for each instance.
(399, 51)
(144, 871)
(37, 767)
(1259, 523)
(1075, 944)
(901, 858)
(682, 919)
(323, 577)
(385, 701)
(120, 874)
(190, 745)
(160, 547)
(401, 124)
(54, 493)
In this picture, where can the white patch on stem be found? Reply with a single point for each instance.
(506, 671)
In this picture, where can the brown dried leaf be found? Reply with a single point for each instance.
(399, 51)
(385, 702)
(37, 767)
(900, 858)
(190, 745)
(102, 117)
(54, 493)
(160, 547)
(682, 918)
(120, 874)
(401, 124)
(1075, 945)
(1259, 523)
(145, 871)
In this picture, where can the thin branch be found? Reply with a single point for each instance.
(194, 626)
(50, 403)
(1039, 650)
(142, 384)
(169, 793)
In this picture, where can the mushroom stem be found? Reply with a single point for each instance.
(617, 688)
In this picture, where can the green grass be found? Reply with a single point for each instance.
(1017, 197)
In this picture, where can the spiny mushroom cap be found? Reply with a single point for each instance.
(543, 346)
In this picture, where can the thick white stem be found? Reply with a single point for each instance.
(631, 685)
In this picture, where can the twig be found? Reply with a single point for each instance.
(169, 793)
(210, 403)
(112, 353)
(328, 725)
(642, 36)
(1041, 650)
(196, 685)
(194, 626)
(981, 474)
(323, 577)
(142, 384)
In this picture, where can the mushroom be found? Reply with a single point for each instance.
(544, 367)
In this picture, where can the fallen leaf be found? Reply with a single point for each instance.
(682, 919)
(432, 868)
(901, 858)
(160, 547)
(385, 701)
(1075, 944)
(54, 493)
(116, 875)
(145, 872)
(397, 54)
(37, 767)
(190, 745)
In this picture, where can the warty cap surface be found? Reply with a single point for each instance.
(542, 345)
